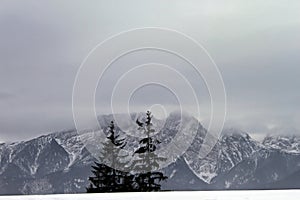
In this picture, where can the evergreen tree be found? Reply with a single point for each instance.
(109, 178)
(100, 182)
(147, 161)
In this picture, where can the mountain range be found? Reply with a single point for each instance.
(60, 162)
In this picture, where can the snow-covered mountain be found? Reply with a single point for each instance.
(239, 162)
(232, 147)
(46, 164)
(284, 139)
(60, 162)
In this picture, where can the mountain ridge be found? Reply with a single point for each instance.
(59, 162)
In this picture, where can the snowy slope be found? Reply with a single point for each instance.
(60, 162)
(233, 147)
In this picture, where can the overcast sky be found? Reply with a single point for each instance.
(256, 45)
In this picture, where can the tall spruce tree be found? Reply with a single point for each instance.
(147, 161)
(109, 178)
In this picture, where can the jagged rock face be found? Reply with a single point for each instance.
(60, 162)
(289, 144)
(180, 177)
(233, 147)
(261, 171)
(45, 165)
(239, 162)
(283, 139)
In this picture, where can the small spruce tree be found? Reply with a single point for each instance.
(109, 178)
(147, 162)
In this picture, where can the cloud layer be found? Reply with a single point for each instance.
(255, 45)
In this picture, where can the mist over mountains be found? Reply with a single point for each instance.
(61, 163)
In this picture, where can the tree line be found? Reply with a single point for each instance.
(139, 175)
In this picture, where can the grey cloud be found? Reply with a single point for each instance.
(255, 45)
(6, 95)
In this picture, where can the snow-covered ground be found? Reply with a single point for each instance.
(205, 195)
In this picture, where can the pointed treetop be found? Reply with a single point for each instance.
(149, 118)
(114, 138)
